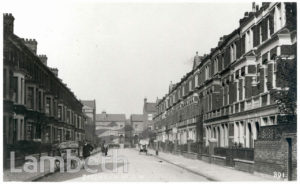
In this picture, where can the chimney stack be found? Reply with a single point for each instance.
(145, 100)
(197, 59)
(8, 21)
(265, 4)
(253, 7)
(104, 113)
(44, 59)
(55, 71)
(170, 86)
(220, 41)
(31, 44)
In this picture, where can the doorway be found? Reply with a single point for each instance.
(250, 136)
(289, 160)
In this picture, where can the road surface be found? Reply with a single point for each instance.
(140, 167)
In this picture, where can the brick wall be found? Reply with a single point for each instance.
(271, 150)
(248, 86)
(291, 15)
(283, 69)
(269, 157)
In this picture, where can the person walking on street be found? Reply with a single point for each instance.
(105, 149)
(86, 151)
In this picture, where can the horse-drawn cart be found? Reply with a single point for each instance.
(144, 146)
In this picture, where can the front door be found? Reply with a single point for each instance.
(290, 167)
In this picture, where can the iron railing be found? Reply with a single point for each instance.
(183, 147)
(205, 150)
(235, 153)
(195, 147)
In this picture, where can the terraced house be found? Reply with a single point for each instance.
(37, 105)
(230, 94)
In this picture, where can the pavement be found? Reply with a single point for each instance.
(20, 173)
(130, 165)
(212, 172)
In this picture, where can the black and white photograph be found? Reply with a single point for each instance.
(149, 91)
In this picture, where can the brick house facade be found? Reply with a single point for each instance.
(37, 105)
(228, 96)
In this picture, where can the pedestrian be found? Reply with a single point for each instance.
(105, 149)
(86, 151)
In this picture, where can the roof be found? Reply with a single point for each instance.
(150, 107)
(110, 117)
(127, 122)
(89, 103)
(101, 131)
(137, 117)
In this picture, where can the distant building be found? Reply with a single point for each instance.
(110, 128)
(149, 111)
(128, 132)
(89, 109)
(138, 126)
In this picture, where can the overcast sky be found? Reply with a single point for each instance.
(119, 53)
